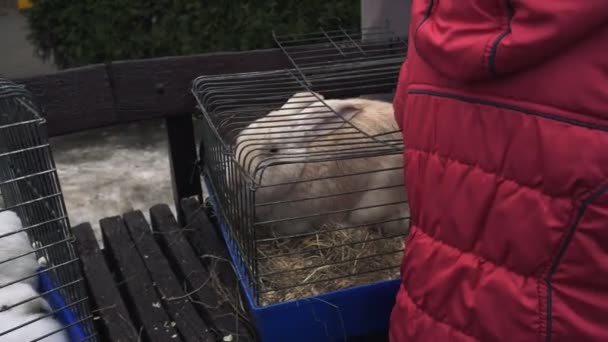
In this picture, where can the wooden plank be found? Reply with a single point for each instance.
(140, 294)
(161, 87)
(199, 280)
(205, 239)
(126, 91)
(188, 322)
(109, 305)
(74, 100)
(183, 158)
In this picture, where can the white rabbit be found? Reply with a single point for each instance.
(310, 132)
(32, 330)
(23, 292)
(21, 305)
(16, 246)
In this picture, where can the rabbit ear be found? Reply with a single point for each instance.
(329, 116)
(305, 96)
(346, 109)
(300, 101)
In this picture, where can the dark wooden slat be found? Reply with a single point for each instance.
(110, 306)
(75, 99)
(205, 239)
(188, 322)
(182, 156)
(188, 266)
(161, 87)
(126, 91)
(140, 294)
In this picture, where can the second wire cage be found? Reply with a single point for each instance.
(42, 291)
(305, 168)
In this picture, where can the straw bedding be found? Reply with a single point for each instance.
(328, 260)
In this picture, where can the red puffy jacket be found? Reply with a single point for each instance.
(504, 109)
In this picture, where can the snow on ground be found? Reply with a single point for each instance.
(110, 171)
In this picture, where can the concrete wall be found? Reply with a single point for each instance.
(378, 12)
(6, 5)
(17, 55)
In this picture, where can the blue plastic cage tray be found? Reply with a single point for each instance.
(63, 314)
(331, 317)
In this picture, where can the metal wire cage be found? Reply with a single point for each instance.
(305, 167)
(359, 48)
(36, 245)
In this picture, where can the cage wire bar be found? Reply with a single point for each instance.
(29, 187)
(284, 183)
(340, 45)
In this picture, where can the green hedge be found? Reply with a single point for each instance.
(79, 32)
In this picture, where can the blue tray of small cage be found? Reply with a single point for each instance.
(61, 309)
(333, 316)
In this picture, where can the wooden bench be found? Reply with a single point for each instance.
(160, 281)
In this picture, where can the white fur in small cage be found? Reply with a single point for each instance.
(25, 314)
(42, 291)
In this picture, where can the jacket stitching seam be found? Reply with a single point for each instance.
(544, 271)
(447, 92)
(486, 52)
(498, 40)
(540, 308)
(427, 16)
(506, 106)
(567, 239)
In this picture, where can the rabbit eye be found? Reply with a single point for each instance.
(274, 150)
